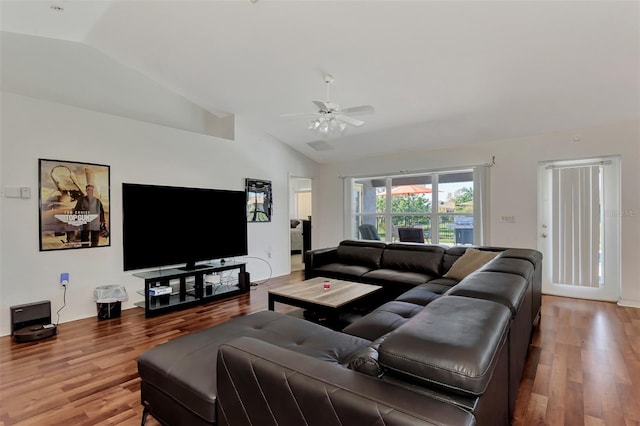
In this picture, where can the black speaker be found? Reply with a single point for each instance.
(32, 321)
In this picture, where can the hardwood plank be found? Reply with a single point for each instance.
(583, 365)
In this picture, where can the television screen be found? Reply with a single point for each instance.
(166, 225)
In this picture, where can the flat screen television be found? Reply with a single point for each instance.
(167, 225)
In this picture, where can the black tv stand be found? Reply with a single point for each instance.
(190, 268)
(186, 288)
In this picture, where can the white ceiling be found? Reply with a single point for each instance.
(438, 73)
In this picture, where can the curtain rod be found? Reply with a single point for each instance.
(412, 172)
(577, 165)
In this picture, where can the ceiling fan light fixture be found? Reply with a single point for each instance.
(330, 118)
(324, 127)
(314, 124)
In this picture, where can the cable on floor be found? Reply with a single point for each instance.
(270, 270)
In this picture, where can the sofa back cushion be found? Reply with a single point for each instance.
(500, 287)
(533, 256)
(454, 343)
(510, 265)
(360, 252)
(413, 257)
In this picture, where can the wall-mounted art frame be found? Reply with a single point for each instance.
(74, 200)
(259, 200)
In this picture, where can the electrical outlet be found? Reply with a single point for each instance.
(64, 278)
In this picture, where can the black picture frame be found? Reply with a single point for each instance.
(73, 201)
(259, 200)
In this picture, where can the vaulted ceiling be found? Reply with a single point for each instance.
(438, 73)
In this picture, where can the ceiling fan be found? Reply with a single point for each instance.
(330, 116)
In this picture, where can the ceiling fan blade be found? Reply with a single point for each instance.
(300, 114)
(322, 106)
(357, 109)
(349, 120)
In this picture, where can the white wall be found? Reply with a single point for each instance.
(147, 153)
(136, 152)
(513, 186)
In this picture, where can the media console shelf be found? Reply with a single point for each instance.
(192, 287)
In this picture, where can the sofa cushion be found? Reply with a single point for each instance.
(176, 367)
(382, 320)
(420, 295)
(396, 278)
(504, 288)
(357, 252)
(342, 270)
(471, 260)
(521, 267)
(406, 265)
(439, 285)
(422, 258)
(533, 256)
(454, 343)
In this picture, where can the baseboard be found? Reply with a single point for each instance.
(629, 303)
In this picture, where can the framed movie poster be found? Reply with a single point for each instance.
(74, 205)
(258, 200)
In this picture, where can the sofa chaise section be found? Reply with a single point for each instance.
(435, 364)
(262, 384)
(178, 377)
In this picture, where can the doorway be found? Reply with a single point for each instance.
(578, 228)
(300, 208)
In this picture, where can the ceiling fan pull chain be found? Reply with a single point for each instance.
(328, 79)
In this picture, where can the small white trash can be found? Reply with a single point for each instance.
(109, 300)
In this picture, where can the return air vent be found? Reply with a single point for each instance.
(320, 146)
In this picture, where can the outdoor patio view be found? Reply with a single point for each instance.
(401, 208)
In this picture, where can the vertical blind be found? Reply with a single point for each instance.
(480, 204)
(577, 230)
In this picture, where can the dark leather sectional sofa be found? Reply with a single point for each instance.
(438, 352)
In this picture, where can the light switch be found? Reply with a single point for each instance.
(25, 192)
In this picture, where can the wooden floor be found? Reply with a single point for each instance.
(583, 366)
(296, 262)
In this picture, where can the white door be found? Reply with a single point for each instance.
(579, 227)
